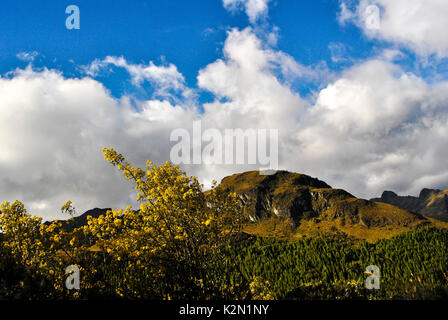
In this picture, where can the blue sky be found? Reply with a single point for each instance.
(189, 34)
(358, 100)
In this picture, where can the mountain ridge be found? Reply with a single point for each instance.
(291, 205)
(430, 202)
(81, 220)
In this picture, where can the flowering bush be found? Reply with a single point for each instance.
(169, 248)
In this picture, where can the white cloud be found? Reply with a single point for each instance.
(248, 78)
(345, 15)
(164, 79)
(52, 131)
(416, 24)
(255, 9)
(375, 127)
(248, 60)
(27, 56)
(53, 128)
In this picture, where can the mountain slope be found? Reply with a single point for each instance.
(430, 202)
(294, 205)
(81, 220)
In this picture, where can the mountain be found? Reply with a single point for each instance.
(81, 220)
(431, 202)
(292, 205)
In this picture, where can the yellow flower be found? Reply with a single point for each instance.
(117, 222)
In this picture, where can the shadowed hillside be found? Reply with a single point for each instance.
(81, 220)
(431, 202)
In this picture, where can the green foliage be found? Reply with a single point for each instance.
(413, 266)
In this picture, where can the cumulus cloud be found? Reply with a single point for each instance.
(255, 9)
(164, 79)
(377, 128)
(416, 24)
(247, 59)
(366, 131)
(53, 128)
(52, 131)
(374, 127)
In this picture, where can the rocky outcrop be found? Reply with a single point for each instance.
(300, 197)
(283, 195)
(431, 202)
